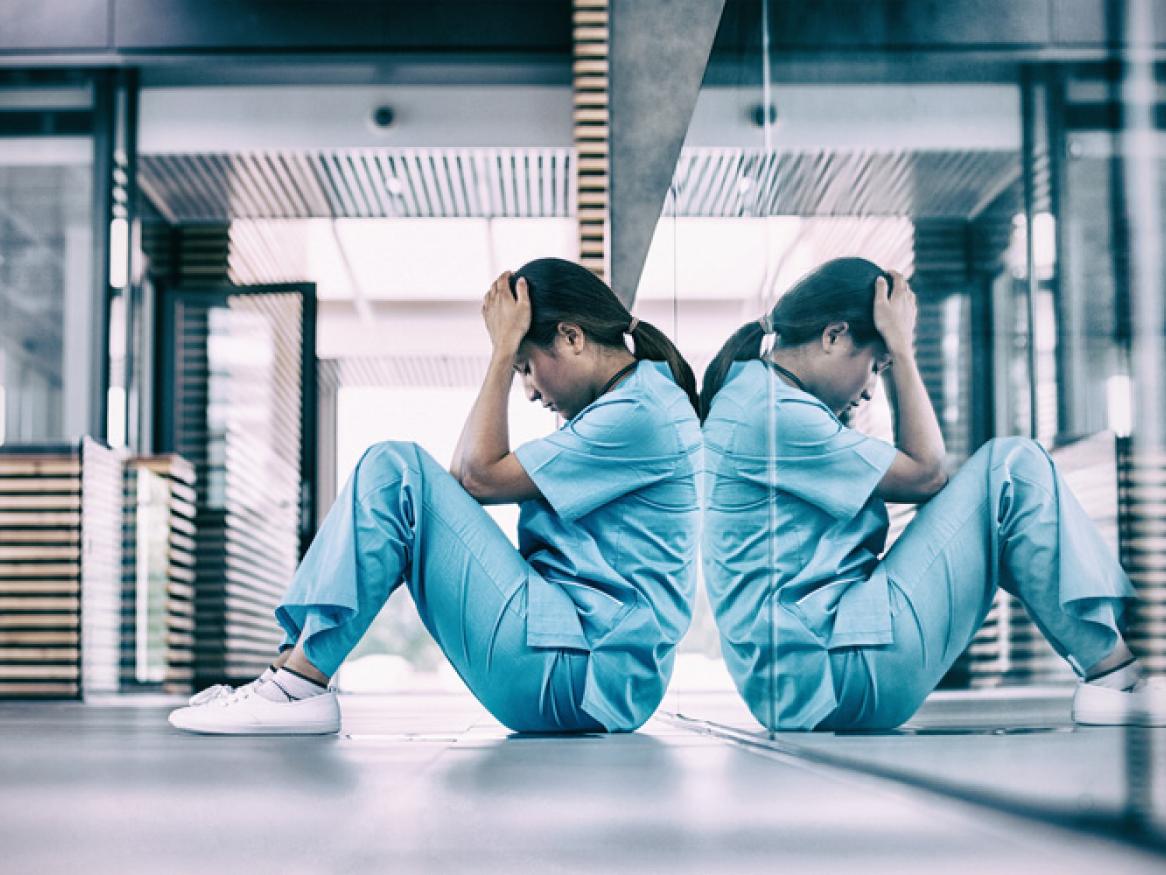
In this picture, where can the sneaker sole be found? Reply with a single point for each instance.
(262, 730)
(1103, 719)
(1085, 717)
(327, 727)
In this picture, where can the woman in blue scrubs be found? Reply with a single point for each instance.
(574, 630)
(820, 629)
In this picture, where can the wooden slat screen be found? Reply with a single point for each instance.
(159, 574)
(1141, 477)
(592, 122)
(238, 404)
(60, 570)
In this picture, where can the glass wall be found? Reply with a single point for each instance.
(787, 166)
(47, 262)
(1023, 203)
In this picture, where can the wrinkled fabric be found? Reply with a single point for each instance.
(817, 632)
(791, 541)
(1006, 520)
(616, 531)
(575, 630)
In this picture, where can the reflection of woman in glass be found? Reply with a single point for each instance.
(819, 632)
(575, 630)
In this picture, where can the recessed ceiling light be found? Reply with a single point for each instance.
(382, 117)
(762, 115)
(394, 185)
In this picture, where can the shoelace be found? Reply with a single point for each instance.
(235, 696)
(220, 691)
(211, 693)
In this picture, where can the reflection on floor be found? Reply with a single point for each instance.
(1017, 746)
(432, 784)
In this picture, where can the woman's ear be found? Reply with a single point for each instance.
(832, 334)
(572, 335)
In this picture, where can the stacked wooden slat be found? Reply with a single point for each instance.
(943, 335)
(101, 528)
(60, 580)
(236, 411)
(988, 657)
(262, 444)
(158, 596)
(590, 20)
(1141, 477)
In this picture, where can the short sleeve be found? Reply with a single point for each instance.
(818, 459)
(826, 463)
(611, 449)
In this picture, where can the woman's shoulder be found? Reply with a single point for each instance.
(747, 388)
(664, 406)
(649, 410)
(750, 423)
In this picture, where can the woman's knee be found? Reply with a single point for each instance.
(1023, 456)
(391, 456)
(1013, 454)
(383, 465)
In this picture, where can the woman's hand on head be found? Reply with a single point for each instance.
(894, 315)
(507, 315)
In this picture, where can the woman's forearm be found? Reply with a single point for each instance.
(485, 437)
(917, 432)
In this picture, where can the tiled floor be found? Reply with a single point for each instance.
(431, 784)
(1016, 746)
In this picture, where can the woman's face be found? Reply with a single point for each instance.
(553, 377)
(849, 374)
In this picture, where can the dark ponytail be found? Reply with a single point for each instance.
(841, 290)
(742, 346)
(562, 291)
(653, 344)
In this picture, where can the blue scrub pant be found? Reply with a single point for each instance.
(402, 518)
(1007, 520)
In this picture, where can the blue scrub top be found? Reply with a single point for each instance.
(791, 513)
(613, 539)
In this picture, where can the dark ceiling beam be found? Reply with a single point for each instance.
(231, 26)
(1025, 28)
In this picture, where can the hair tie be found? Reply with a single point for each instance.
(632, 325)
(766, 323)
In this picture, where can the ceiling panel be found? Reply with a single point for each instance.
(538, 183)
(731, 182)
(361, 183)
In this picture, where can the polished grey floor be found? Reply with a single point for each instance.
(1015, 746)
(432, 784)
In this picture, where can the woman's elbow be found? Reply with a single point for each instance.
(478, 488)
(468, 483)
(935, 481)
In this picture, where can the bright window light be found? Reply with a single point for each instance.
(115, 423)
(1118, 394)
(119, 253)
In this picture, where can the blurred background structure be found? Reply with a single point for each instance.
(240, 241)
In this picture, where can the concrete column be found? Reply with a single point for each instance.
(657, 55)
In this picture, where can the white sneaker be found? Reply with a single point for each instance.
(243, 712)
(218, 691)
(1144, 705)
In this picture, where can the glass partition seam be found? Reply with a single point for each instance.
(771, 389)
(1028, 110)
(104, 138)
